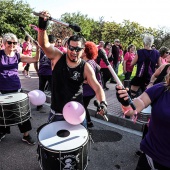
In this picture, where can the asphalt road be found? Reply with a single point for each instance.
(113, 148)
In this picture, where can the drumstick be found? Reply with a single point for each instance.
(35, 42)
(105, 59)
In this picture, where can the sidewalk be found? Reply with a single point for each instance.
(114, 109)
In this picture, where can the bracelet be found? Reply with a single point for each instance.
(127, 109)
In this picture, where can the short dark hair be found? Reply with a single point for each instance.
(27, 37)
(77, 38)
(51, 38)
(163, 50)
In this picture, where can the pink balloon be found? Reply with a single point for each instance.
(37, 97)
(74, 113)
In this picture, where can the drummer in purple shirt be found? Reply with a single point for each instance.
(156, 143)
(44, 70)
(9, 78)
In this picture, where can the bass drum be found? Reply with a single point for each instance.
(62, 146)
(14, 109)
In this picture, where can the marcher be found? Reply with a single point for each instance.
(147, 59)
(44, 70)
(27, 50)
(9, 79)
(160, 73)
(69, 72)
(155, 145)
(89, 55)
(129, 56)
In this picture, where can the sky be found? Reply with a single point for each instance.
(148, 13)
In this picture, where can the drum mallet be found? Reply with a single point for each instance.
(74, 27)
(105, 59)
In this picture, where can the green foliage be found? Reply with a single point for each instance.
(14, 13)
(17, 12)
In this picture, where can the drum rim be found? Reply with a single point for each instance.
(15, 101)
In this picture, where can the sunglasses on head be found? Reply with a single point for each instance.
(9, 42)
(77, 49)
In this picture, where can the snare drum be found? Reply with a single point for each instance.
(144, 115)
(14, 109)
(62, 146)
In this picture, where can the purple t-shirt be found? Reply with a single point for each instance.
(87, 90)
(9, 78)
(156, 143)
(44, 65)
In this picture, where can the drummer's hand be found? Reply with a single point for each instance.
(103, 109)
(122, 95)
(44, 22)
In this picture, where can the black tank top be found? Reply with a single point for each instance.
(162, 75)
(66, 84)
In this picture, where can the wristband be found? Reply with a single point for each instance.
(127, 109)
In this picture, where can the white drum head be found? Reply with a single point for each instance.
(147, 110)
(62, 136)
(12, 97)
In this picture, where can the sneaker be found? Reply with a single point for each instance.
(28, 139)
(28, 76)
(2, 135)
(90, 125)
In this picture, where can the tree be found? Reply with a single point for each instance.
(14, 14)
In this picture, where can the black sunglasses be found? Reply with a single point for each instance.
(77, 49)
(9, 42)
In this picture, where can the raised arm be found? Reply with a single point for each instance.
(50, 51)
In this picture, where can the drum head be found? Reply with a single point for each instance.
(147, 110)
(62, 136)
(12, 97)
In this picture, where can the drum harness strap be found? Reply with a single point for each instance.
(54, 114)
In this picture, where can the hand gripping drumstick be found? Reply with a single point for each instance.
(75, 27)
(97, 104)
(104, 57)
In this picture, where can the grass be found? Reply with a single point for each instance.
(120, 72)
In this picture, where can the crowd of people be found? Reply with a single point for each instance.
(75, 70)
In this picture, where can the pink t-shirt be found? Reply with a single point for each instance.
(128, 58)
(102, 63)
(163, 60)
(29, 49)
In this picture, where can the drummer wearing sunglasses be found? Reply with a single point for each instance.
(9, 79)
(69, 73)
